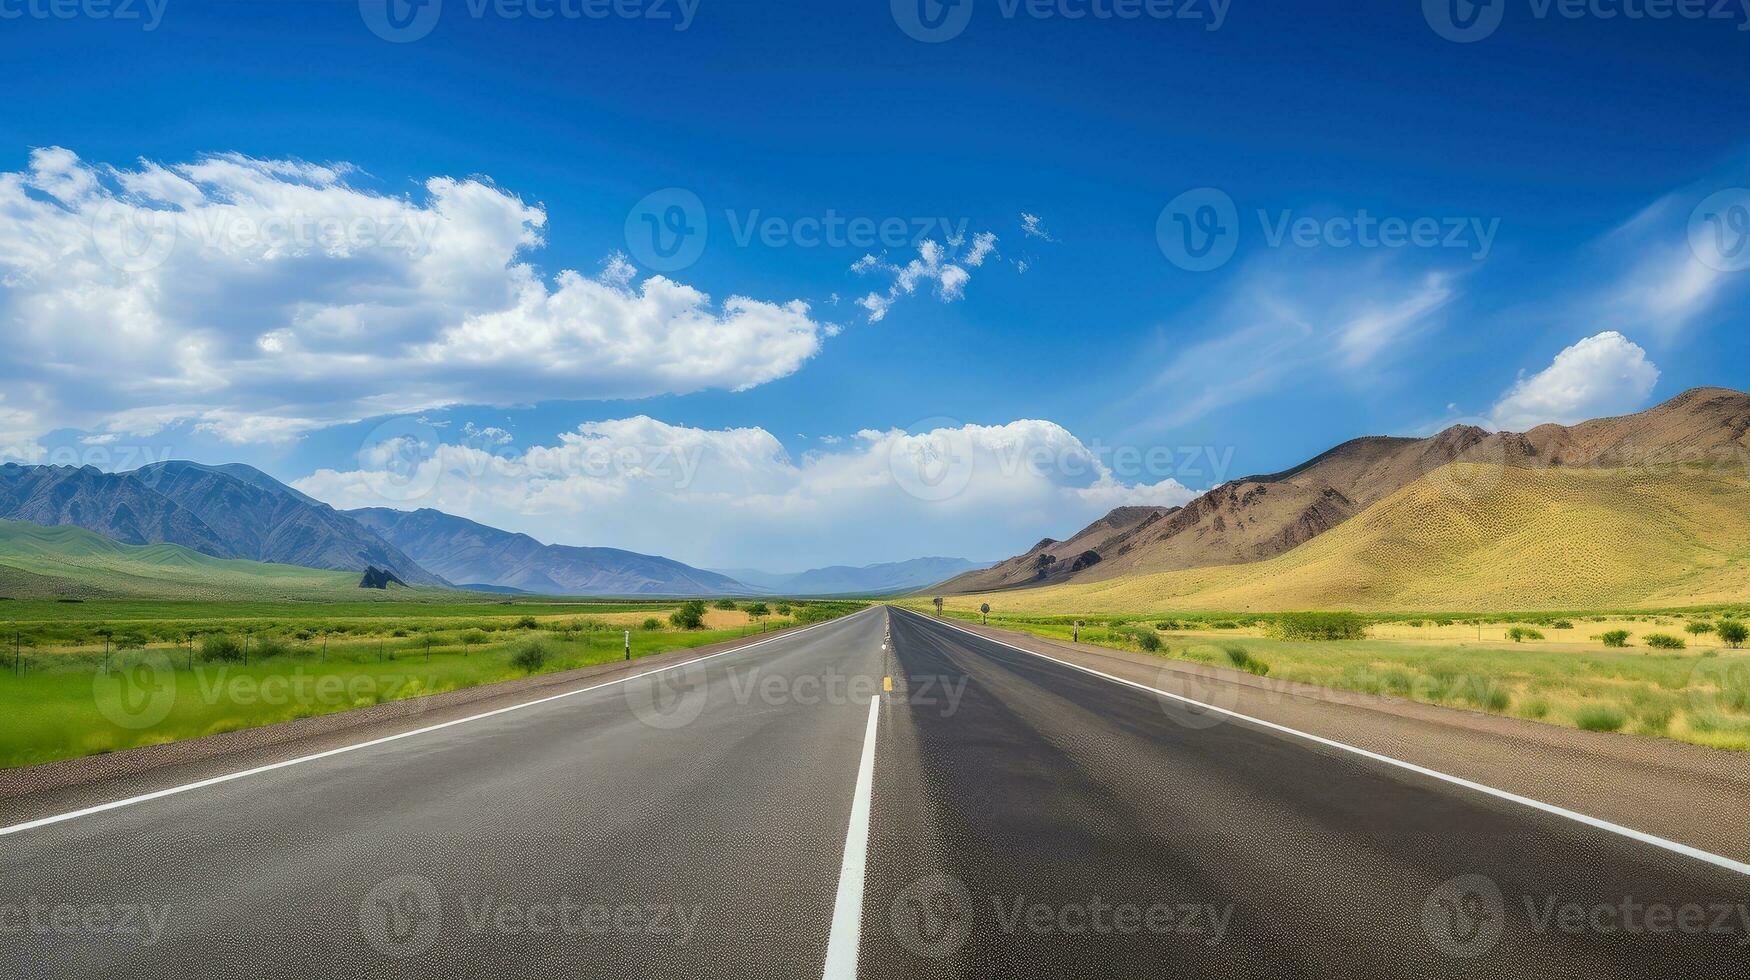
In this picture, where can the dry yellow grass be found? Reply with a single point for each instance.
(1472, 537)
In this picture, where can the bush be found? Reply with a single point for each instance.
(1700, 627)
(220, 648)
(1520, 634)
(1239, 657)
(690, 616)
(1561, 624)
(650, 623)
(529, 656)
(757, 609)
(725, 604)
(528, 623)
(783, 609)
(473, 637)
(1150, 642)
(1615, 638)
(1168, 625)
(1319, 626)
(270, 646)
(1733, 632)
(1600, 718)
(1664, 641)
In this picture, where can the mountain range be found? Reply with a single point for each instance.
(464, 551)
(1255, 519)
(886, 578)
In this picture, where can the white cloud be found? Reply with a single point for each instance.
(1300, 319)
(1605, 374)
(261, 298)
(933, 264)
(1032, 226)
(736, 497)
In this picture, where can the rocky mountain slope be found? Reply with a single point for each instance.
(1259, 517)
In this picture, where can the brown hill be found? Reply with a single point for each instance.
(1259, 517)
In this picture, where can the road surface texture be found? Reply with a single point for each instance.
(1012, 817)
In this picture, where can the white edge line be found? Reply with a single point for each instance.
(227, 777)
(847, 911)
(1605, 825)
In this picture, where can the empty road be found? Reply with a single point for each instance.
(771, 812)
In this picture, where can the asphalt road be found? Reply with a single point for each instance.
(1016, 818)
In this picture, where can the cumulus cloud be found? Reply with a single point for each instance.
(1605, 374)
(258, 299)
(736, 497)
(934, 264)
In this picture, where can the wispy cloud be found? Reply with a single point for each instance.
(934, 264)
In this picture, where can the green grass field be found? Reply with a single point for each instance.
(127, 673)
(1700, 694)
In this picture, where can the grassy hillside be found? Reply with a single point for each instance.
(71, 562)
(1475, 537)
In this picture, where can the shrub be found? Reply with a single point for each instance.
(1700, 627)
(1615, 638)
(725, 604)
(474, 636)
(1168, 625)
(690, 616)
(650, 623)
(1562, 624)
(529, 656)
(1150, 642)
(220, 648)
(1520, 634)
(1600, 718)
(1443, 622)
(528, 623)
(783, 608)
(1239, 657)
(271, 646)
(1319, 626)
(1733, 632)
(1537, 708)
(1664, 641)
(758, 609)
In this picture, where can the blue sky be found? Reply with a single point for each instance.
(1561, 160)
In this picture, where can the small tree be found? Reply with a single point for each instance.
(783, 609)
(757, 609)
(690, 616)
(1733, 632)
(1700, 627)
(1615, 638)
(983, 610)
(725, 604)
